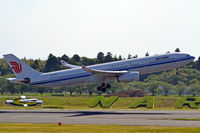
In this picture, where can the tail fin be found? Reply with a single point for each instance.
(19, 68)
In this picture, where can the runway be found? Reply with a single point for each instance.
(150, 118)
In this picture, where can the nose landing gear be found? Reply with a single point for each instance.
(103, 87)
(177, 72)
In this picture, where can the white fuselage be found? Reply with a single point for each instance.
(144, 65)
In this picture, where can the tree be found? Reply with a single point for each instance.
(76, 58)
(11, 88)
(22, 88)
(36, 65)
(108, 57)
(41, 90)
(100, 57)
(71, 89)
(166, 87)
(180, 88)
(65, 58)
(197, 64)
(4, 68)
(177, 50)
(90, 88)
(79, 89)
(136, 56)
(194, 89)
(129, 56)
(52, 64)
(120, 57)
(172, 78)
(2, 84)
(50, 89)
(115, 58)
(117, 87)
(153, 87)
(139, 85)
(87, 61)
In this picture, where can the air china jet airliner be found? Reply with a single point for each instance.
(122, 71)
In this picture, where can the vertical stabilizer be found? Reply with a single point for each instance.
(19, 68)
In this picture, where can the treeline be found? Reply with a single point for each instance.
(158, 83)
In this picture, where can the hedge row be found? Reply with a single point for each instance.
(18, 103)
(144, 102)
(103, 102)
(191, 102)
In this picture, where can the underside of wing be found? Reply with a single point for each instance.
(104, 74)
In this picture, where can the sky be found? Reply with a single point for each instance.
(36, 28)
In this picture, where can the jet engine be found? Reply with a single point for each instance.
(15, 80)
(129, 77)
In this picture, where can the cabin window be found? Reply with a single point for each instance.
(162, 58)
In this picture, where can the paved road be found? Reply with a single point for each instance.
(156, 118)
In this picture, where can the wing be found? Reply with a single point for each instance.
(68, 65)
(104, 74)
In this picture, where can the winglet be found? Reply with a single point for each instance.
(68, 65)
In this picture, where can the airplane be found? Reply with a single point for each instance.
(31, 100)
(122, 71)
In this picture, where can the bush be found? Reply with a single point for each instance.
(191, 102)
(104, 102)
(144, 102)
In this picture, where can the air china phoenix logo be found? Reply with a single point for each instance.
(16, 66)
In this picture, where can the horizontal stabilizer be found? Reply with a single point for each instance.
(16, 80)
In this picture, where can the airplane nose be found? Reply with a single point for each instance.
(192, 57)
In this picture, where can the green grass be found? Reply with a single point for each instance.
(54, 128)
(187, 119)
(83, 102)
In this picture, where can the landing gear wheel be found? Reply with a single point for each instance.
(103, 85)
(103, 89)
(108, 86)
(99, 88)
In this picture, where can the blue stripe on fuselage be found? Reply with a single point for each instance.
(119, 69)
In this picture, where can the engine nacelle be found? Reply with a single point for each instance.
(129, 77)
(26, 80)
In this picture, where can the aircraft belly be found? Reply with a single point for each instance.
(161, 67)
(70, 82)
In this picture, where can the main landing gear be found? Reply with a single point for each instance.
(177, 72)
(103, 87)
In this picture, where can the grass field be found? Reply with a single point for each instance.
(83, 102)
(54, 128)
